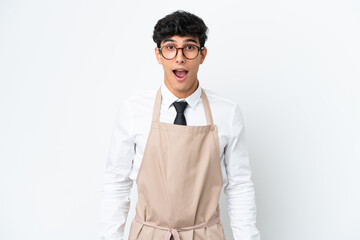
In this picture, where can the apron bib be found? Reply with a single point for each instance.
(179, 182)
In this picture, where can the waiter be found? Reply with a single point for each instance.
(181, 144)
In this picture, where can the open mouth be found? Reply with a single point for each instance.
(180, 74)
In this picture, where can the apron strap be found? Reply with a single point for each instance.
(175, 231)
(207, 109)
(157, 106)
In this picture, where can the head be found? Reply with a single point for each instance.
(184, 30)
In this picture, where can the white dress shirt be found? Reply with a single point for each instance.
(132, 126)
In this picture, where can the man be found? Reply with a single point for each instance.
(181, 144)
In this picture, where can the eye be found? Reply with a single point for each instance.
(190, 47)
(169, 47)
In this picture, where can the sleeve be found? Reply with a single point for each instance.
(239, 190)
(115, 199)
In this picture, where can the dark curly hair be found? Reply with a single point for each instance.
(180, 23)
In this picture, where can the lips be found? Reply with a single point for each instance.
(180, 74)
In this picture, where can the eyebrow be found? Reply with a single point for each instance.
(186, 40)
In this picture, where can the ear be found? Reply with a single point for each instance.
(203, 55)
(158, 55)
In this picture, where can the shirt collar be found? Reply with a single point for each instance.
(168, 97)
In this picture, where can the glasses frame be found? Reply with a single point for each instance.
(182, 50)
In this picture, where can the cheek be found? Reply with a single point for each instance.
(194, 69)
(166, 68)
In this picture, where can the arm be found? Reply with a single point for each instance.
(116, 182)
(240, 193)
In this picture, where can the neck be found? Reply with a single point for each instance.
(183, 94)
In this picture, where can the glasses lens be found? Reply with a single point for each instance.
(190, 51)
(168, 51)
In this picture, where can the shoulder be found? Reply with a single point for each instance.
(221, 102)
(226, 112)
(141, 100)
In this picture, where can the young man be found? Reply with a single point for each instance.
(181, 144)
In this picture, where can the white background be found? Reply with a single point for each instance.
(293, 67)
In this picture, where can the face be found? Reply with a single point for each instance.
(181, 83)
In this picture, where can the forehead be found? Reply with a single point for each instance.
(181, 39)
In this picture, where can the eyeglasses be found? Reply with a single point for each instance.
(189, 51)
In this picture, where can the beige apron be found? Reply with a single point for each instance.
(179, 182)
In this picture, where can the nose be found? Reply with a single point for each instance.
(180, 56)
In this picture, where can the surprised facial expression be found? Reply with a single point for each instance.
(180, 73)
